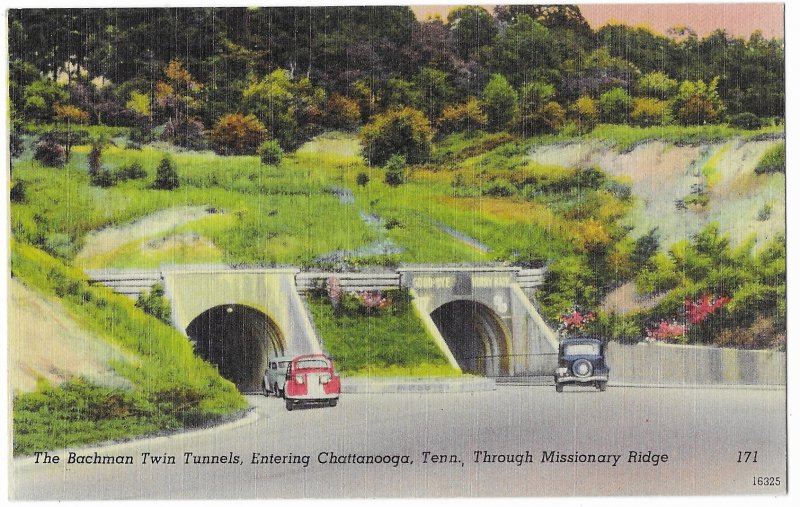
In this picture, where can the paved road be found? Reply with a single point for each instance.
(700, 430)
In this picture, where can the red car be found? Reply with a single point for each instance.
(311, 379)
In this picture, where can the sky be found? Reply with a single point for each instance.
(739, 19)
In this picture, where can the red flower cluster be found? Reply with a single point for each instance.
(373, 300)
(576, 319)
(666, 331)
(698, 311)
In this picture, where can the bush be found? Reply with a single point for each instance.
(648, 112)
(499, 188)
(270, 152)
(585, 113)
(747, 121)
(166, 175)
(342, 113)
(362, 179)
(616, 105)
(773, 160)
(17, 193)
(185, 133)
(237, 134)
(102, 178)
(133, 171)
(657, 85)
(50, 154)
(461, 117)
(499, 102)
(404, 132)
(154, 303)
(395, 171)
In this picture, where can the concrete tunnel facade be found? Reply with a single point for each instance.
(238, 319)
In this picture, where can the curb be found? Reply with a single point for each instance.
(418, 385)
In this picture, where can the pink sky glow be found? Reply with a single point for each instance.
(738, 19)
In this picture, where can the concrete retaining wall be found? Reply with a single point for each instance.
(664, 364)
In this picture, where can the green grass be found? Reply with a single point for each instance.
(388, 342)
(626, 137)
(773, 161)
(173, 388)
(710, 170)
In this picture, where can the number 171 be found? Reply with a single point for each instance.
(748, 457)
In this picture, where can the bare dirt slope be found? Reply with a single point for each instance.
(661, 174)
(46, 342)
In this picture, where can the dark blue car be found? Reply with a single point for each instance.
(581, 361)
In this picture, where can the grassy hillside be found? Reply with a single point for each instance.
(171, 387)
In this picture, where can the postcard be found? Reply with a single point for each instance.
(375, 251)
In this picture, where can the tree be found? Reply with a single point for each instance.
(525, 52)
(585, 113)
(616, 105)
(472, 28)
(395, 171)
(657, 85)
(271, 152)
(342, 113)
(463, 117)
(166, 175)
(40, 97)
(499, 102)
(648, 111)
(698, 103)
(435, 91)
(405, 132)
(537, 112)
(237, 134)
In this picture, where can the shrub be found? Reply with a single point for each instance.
(102, 178)
(166, 175)
(133, 171)
(270, 152)
(499, 188)
(154, 303)
(50, 154)
(698, 103)
(745, 120)
(657, 85)
(404, 132)
(395, 171)
(94, 158)
(547, 119)
(17, 193)
(616, 105)
(362, 179)
(183, 132)
(461, 117)
(342, 112)
(648, 112)
(585, 113)
(773, 160)
(499, 102)
(237, 134)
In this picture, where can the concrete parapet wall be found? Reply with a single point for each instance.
(350, 281)
(667, 364)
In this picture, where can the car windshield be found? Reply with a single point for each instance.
(582, 349)
(313, 363)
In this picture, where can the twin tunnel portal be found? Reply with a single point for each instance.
(480, 317)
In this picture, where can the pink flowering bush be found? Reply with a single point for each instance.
(575, 320)
(671, 332)
(373, 300)
(334, 289)
(698, 311)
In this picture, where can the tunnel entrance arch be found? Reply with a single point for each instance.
(476, 336)
(239, 340)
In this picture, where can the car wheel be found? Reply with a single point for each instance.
(289, 404)
(275, 391)
(265, 391)
(333, 402)
(602, 385)
(559, 388)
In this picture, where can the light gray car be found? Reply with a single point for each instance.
(275, 375)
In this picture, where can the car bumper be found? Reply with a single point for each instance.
(571, 379)
(312, 399)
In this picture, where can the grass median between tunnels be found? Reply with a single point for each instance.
(172, 388)
(387, 342)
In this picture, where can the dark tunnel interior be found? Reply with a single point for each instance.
(239, 340)
(476, 337)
